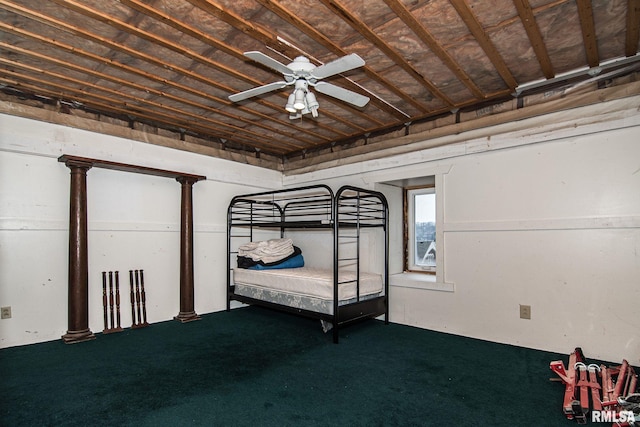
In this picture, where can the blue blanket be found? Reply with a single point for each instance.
(293, 262)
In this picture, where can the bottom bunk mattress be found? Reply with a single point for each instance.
(305, 288)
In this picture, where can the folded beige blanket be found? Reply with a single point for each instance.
(267, 251)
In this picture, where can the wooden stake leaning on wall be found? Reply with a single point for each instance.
(138, 299)
(133, 299)
(104, 300)
(110, 317)
(111, 299)
(118, 301)
(144, 299)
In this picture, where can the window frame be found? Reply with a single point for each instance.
(408, 198)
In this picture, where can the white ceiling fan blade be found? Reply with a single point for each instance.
(342, 94)
(257, 91)
(269, 62)
(338, 66)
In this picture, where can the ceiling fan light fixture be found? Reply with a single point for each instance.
(289, 106)
(299, 103)
(312, 104)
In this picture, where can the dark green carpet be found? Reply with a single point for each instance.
(255, 367)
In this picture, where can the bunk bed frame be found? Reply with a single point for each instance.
(344, 214)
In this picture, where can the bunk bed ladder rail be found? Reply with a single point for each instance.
(349, 238)
(336, 270)
(356, 211)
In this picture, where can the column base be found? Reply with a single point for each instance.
(188, 316)
(72, 337)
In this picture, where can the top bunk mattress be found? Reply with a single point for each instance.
(309, 281)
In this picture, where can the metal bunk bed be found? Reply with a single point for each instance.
(346, 215)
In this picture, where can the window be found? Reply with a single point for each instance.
(416, 190)
(420, 229)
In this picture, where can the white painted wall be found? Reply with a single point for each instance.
(133, 223)
(545, 213)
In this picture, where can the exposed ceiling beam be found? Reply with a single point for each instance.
(293, 141)
(159, 62)
(172, 64)
(333, 47)
(180, 49)
(633, 25)
(485, 42)
(168, 44)
(154, 38)
(427, 38)
(122, 103)
(172, 21)
(385, 47)
(201, 35)
(106, 104)
(535, 37)
(585, 12)
(79, 52)
(264, 36)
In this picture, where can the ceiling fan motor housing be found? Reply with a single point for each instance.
(301, 67)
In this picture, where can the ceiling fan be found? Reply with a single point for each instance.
(302, 74)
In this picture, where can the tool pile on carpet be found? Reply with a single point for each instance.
(610, 393)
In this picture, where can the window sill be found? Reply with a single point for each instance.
(420, 281)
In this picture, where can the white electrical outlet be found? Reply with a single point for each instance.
(5, 312)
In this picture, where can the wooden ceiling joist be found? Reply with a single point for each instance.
(200, 35)
(430, 41)
(261, 35)
(535, 37)
(165, 43)
(133, 113)
(588, 32)
(104, 76)
(127, 83)
(120, 102)
(161, 62)
(172, 64)
(385, 47)
(633, 28)
(149, 58)
(326, 41)
(465, 12)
